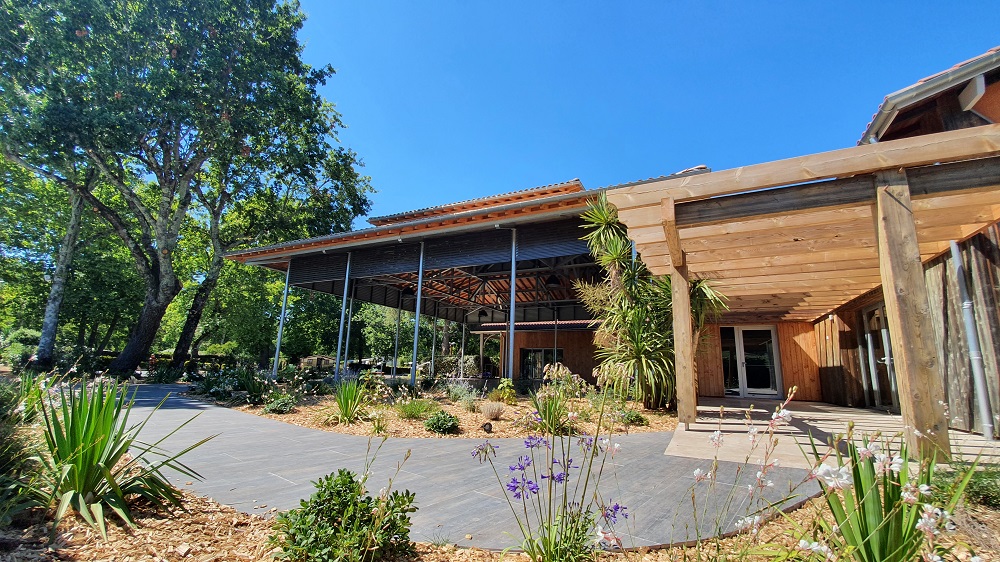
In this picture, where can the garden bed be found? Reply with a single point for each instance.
(311, 411)
(208, 531)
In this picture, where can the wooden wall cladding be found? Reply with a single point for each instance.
(837, 356)
(797, 347)
(708, 362)
(578, 349)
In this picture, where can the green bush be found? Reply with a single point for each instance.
(340, 522)
(256, 384)
(87, 434)
(15, 451)
(416, 409)
(504, 392)
(633, 417)
(280, 403)
(442, 422)
(163, 373)
(552, 413)
(984, 487)
(458, 391)
(17, 348)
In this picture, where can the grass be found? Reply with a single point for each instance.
(417, 409)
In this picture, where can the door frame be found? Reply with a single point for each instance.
(869, 361)
(741, 371)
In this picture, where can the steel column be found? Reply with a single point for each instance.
(343, 312)
(399, 318)
(281, 322)
(461, 354)
(350, 318)
(416, 317)
(513, 303)
(975, 353)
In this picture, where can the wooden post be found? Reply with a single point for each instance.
(687, 396)
(921, 388)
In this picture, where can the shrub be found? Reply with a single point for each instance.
(552, 413)
(442, 422)
(633, 417)
(87, 434)
(491, 410)
(341, 522)
(380, 423)
(256, 384)
(218, 385)
(469, 404)
(504, 392)
(165, 374)
(565, 381)
(351, 401)
(417, 408)
(15, 451)
(281, 403)
(458, 391)
(16, 349)
(984, 487)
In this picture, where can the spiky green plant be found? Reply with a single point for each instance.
(88, 468)
(351, 403)
(633, 309)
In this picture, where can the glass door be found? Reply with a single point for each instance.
(750, 360)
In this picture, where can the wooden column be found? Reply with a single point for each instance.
(684, 346)
(921, 388)
(687, 393)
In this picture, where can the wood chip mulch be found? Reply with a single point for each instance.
(312, 410)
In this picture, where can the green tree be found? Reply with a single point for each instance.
(150, 93)
(634, 338)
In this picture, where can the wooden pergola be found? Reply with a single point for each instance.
(796, 239)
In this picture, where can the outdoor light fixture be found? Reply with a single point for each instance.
(408, 292)
(483, 315)
(552, 282)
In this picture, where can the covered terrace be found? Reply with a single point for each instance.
(794, 240)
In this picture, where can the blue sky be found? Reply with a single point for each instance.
(453, 100)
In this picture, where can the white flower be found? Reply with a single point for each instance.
(908, 494)
(885, 463)
(750, 523)
(752, 432)
(925, 490)
(870, 451)
(816, 548)
(572, 416)
(975, 559)
(716, 439)
(781, 416)
(700, 475)
(836, 478)
(932, 557)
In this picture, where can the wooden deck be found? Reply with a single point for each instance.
(822, 420)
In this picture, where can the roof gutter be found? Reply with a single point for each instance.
(898, 101)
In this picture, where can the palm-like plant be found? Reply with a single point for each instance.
(633, 311)
(88, 467)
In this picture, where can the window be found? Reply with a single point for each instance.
(533, 361)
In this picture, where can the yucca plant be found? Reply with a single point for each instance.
(351, 402)
(95, 460)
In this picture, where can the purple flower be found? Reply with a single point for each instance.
(518, 487)
(534, 442)
(586, 443)
(483, 451)
(523, 462)
(558, 477)
(611, 513)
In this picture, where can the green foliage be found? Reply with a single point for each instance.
(165, 374)
(380, 422)
(255, 383)
(442, 422)
(633, 417)
(635, 334)
(504, 392)
(15, 451)
(468, 403)
(351, 403)
(458, 391)
(568, 538)
(882, 514)
(552, 413)
(218, 385)
(984, 487)
(281, 402)
(416, 408)
(19, 345)
(87, 435)
(564, 381)
(341, 522)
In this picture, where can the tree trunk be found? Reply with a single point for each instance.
(182, 351)
(140, 339)
(445, 339)
(107, 335)
(47, 342)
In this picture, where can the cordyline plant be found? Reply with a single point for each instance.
(95, 460)
(553, 490)
(634, 336)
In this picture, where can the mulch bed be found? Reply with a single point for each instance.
(312, 410)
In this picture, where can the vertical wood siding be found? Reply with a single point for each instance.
(578, 349)
(840, 373)
(708, 362)
(797, 348)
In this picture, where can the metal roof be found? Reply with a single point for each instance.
(927, 88)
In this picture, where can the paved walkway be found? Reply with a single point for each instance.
(256, 464)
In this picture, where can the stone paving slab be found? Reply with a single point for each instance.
(256, 461)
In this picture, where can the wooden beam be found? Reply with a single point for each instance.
(668, 222)
(918, 376)
(950, 146)
(684, 347)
